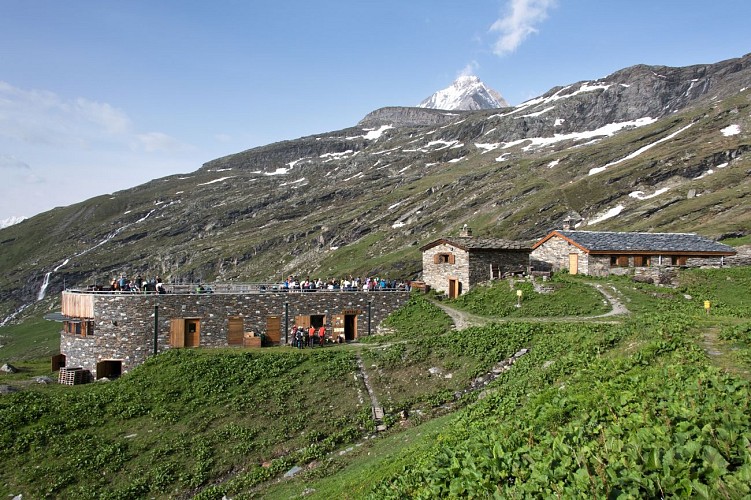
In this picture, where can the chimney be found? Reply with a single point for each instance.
(466, 232)
(567, 223)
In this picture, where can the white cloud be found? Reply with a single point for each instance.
(520, 21)
(158, 141)
(55, 150)
(11, 162)
(42, 117)
(470, 69)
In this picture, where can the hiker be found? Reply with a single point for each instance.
(312, 336)
(321, 335)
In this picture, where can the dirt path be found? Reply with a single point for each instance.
(375, 407)
(617, 306)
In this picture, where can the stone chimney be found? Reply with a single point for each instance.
(466, 231)
(567, 224)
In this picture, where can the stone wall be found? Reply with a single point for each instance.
(505, 260)
(437, 275)
(553, 256)
(469, 268)
(124, 323)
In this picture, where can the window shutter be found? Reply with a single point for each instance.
(437, 258)
(451, 258)
(177, 332)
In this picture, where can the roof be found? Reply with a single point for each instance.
(608, 242)
(469, 243)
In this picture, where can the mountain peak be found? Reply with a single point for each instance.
(466, 93)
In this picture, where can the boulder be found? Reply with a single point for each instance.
(8, 368)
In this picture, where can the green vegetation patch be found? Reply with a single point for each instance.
(32, 339)
(557, 298)
(567, 422)
(180, 421)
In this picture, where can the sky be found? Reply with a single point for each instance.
(102, 95)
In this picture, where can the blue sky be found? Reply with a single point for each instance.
(101, 95)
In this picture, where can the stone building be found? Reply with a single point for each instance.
(599, 253)
(454, 265)
(109, 333)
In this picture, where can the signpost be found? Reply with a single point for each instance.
(518, 298)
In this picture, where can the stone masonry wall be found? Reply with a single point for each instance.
(437, 275)
(506, 260)
(555, 252)
(470, 268)
(124, 323)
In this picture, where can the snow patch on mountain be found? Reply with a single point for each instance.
(466, 93)
(731, 130)
(11, 221)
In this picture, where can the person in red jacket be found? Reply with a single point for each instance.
(321, 335)
(312, 335)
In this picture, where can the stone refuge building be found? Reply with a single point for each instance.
(109, 333)
(454, 265)
(599, 253)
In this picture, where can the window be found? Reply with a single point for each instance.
(678, 260)
(443, 258)
(642, 261)
(78, 327)
(619, 261)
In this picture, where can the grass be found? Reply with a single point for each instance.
(32, 339)
(351, 474)
(739, 241)
(564, 297)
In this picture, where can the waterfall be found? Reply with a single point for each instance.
(46, 281)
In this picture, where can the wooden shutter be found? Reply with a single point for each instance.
(437, 258)
(177, 332)
(274, 329)
(235, 327)
(451, 258)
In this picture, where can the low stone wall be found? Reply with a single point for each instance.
(124, 324)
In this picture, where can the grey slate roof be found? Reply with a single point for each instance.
(596, 241)
(478, 243)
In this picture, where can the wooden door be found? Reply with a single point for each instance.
(192, 332)
(350, 326)
(303, 321)
(235, 326)
(177, 332)
(573, 263)
(273, 329)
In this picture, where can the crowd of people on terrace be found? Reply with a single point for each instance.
(351, 284)
(291, 284)
(137, 284)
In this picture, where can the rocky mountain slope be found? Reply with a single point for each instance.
(646, 148)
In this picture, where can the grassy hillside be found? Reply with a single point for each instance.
(655, 403)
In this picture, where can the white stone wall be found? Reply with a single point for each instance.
(437, 275)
